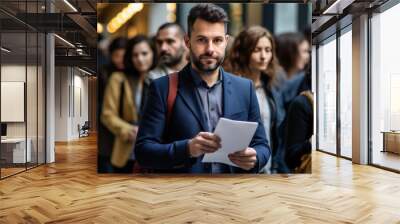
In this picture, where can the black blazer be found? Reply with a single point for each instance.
(299, 130)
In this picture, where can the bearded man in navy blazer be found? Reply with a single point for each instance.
(205, 93)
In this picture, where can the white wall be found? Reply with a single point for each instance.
(12, 73)
(33, 127)
(61, 103)
(71, 93)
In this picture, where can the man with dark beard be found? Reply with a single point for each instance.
(171, 50)
(176, 142)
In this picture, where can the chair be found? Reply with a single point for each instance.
(84, 130)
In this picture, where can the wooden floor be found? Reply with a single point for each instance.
(5, 172)
(10, 171)
(70, 191)
(387, 159)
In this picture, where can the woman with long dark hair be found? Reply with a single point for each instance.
(123, 100)
(253, 56)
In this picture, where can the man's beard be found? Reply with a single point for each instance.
(207, 69)
(172, 60)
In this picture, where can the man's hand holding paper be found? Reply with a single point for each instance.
(235, 137)
(245, 159)
(204, 142)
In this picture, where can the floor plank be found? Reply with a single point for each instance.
(70, 191)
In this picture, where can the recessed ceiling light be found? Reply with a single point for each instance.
(84, 71)
(5, 50)
(65, 41)
(70, 5)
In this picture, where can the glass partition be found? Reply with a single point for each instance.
(385, 89)
(22, 77)
(15, 151)
(346, 92)
(327, 95)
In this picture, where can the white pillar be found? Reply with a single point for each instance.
(62, 103)
(360, 90)
(50, 98)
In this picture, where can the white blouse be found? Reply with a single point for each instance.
(265, 111)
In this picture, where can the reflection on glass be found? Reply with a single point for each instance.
(31, 101)
(41, 99)
(394, 101)
(346, 94)
(14, 146)
(314, 90)
(327, 96)
(23, 84)
(385, 86)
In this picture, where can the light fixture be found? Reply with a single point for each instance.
(171, 7)
(5, 50)
(99, 28)
(337, 7)
(65, 41)
(70, 5)
(331, 7)
(79, 51)
(84, 71)
(171, 17)
(122, 17)
(171, 12)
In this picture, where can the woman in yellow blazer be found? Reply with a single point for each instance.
(124, 97)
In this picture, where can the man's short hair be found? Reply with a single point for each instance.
(208, 12)
(169, 25)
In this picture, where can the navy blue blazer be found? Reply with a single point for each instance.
(164, 149)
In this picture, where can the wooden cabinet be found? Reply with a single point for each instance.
(391, 142)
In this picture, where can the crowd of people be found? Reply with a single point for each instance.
(139, 130)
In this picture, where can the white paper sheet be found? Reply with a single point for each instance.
(235, 136)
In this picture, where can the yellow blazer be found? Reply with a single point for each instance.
(120, 126)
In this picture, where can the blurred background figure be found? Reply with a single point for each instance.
(293, 51)
(124, 96)
(171, 50)
(299, 130)
(139, 61)
(253, 56)
(116, 51)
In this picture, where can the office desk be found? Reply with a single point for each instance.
(13, 150)
(391, 141)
